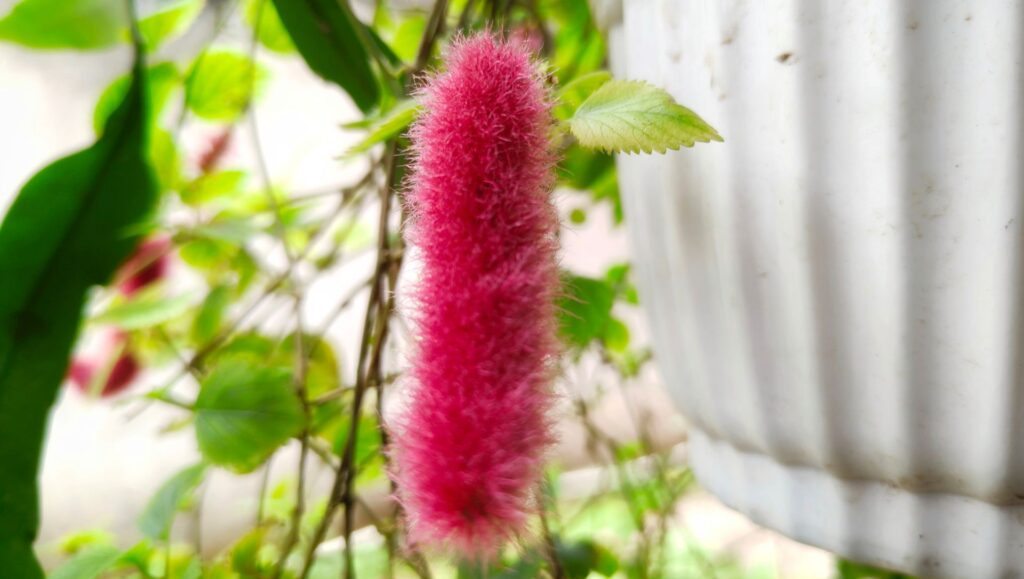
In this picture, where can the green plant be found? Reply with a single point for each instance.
(245, 390)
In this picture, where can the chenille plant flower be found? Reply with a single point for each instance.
(470, 447)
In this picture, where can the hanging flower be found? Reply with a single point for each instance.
(469, 449)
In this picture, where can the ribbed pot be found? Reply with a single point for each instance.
(835, 291)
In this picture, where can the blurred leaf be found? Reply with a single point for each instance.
(367, 442)
(322, 372)
(64, 233)
(616, 336)
(632, 117)
(578, 216)
(585, 309)
(329, 38)
(245, 557)
(221, 84)
(406, 37)
(210, 186)
(163, 155)
(56, 24)
(847, 569)
(81, 540)
(155, 522)
(206, 253)
(592, 172)
(145, 310)
(572, 95)
(578, 45)
(168, 21)
(244, 412)
(391, 124)
(88, 564)
(581, 558)
(235, 230)
(270, 31)
(210, 318)
(161, 79)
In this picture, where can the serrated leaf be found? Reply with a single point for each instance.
(66, 232)
(88, 564)
(145, 310)
(221, 84)
(244, 412)
(572, 95)
(156, 520)
(65, 24)
(627, 116)
(393, 123)
(327, 35)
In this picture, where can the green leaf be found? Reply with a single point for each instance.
(155, 522)
(162, 79)
(245, 556)
(86, 539)
(330, 39)
(244, 412)
(221, 84)
(66, 232)
(168, 21)
(269, 31)
(585, 310)
(391, 124)
(145, 310)
(163, 155)
(213, 185)
(632, 116)
(60, 24)
(210, 318)
(88, 564)
(572, 95)
(847, 569)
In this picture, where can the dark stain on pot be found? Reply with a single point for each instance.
(785, 58)
(912, 25)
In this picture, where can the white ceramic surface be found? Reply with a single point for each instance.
(835, 291)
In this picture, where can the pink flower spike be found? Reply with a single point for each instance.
(469, 449)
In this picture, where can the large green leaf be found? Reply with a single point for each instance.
(627, 116)
(155, 522)
(244, 412)
(329, 38)
(55, 24)
(67, 231)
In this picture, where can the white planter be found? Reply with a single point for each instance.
(836, 291)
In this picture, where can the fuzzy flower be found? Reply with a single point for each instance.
(469, 448)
